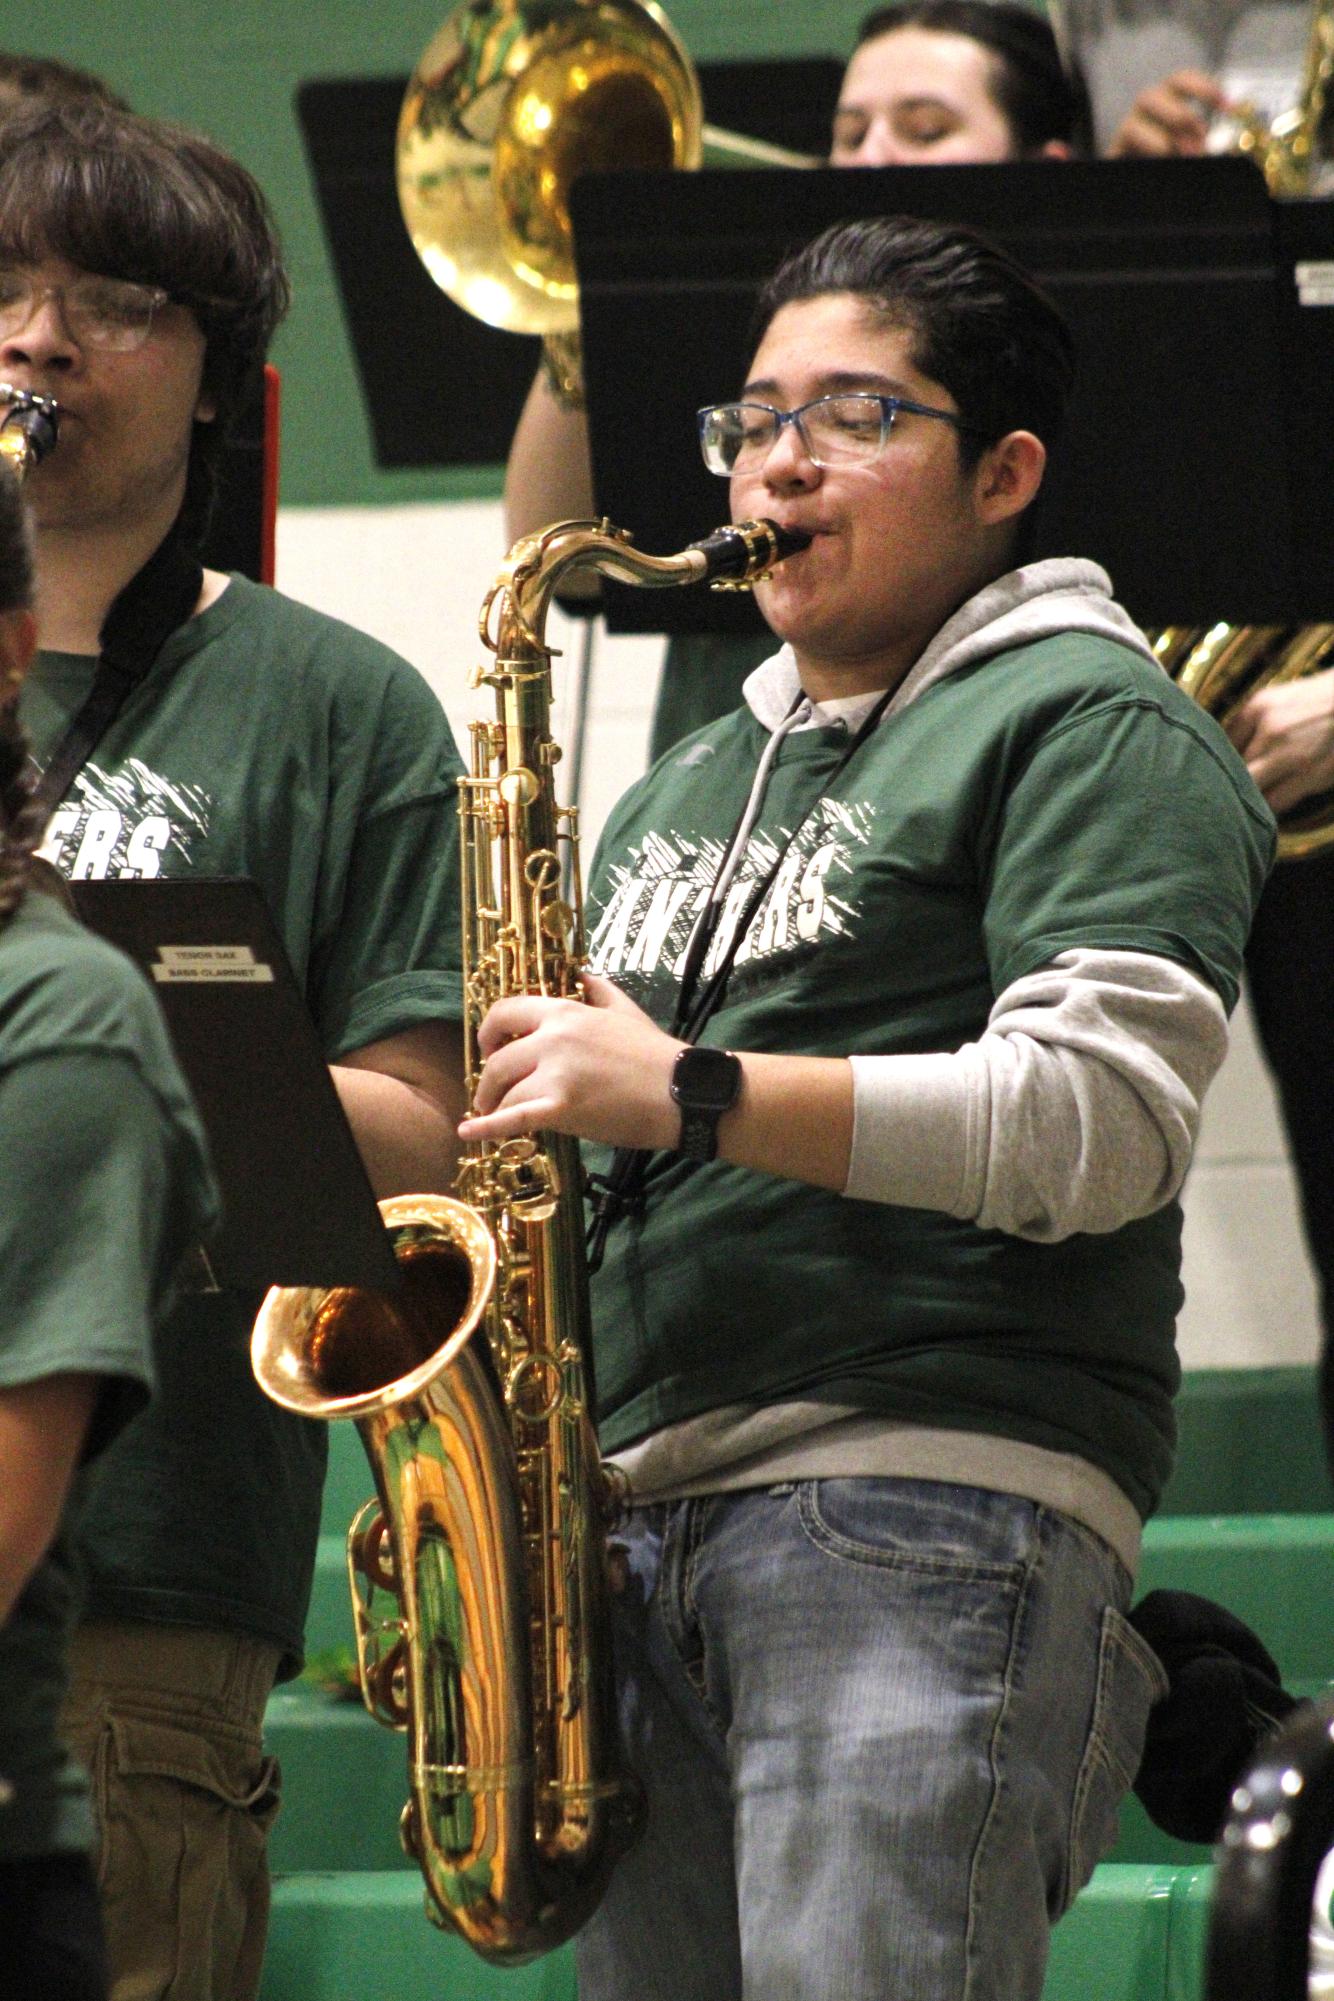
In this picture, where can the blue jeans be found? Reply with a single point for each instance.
(883, 1727)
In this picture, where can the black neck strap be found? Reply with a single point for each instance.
(158, 599)
(622, 1187)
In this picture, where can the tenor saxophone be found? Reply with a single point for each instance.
(472, 1385)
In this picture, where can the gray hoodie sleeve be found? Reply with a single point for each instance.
(1076, 1109)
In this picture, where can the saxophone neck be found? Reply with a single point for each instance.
(734, 557)
(514, 611)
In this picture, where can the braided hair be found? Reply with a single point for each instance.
(21, 813)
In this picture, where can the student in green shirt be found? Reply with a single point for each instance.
(140, 283)
(908, 981)
(105, 1184)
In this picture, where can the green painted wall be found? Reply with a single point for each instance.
(231, 67)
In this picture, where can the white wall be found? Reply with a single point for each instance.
(416, 576)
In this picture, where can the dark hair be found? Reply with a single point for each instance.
(126, 197)
(53, 81)
(980, 326)
(21, 815)
(1041, 97)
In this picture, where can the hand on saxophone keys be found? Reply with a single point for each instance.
(601, 1070)
(596, 1068)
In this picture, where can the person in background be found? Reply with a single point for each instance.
(906, 986)
(956, 83)
(194, 723)
(106, 1185)
(1168, 80)
(930, 83)
(1161, 83)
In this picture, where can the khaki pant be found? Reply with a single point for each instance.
(168, 1722)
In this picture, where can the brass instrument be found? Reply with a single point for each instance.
(512, 100)
(1286, 149)
(1222, 665)
(492, 1504)
(28, 430)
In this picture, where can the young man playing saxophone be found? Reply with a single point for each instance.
(909, 978)
(140, 282)
(930, 83)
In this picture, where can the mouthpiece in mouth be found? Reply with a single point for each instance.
(788, 541)
(33, 418)
(744, 553)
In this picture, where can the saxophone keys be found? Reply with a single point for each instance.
(519, 786)
(535, 1388)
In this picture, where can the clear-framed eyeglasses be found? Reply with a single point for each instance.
(834, 430)
(112, 314)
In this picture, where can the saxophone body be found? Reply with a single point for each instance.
(479, 1572)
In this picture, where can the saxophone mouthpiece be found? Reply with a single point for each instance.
(789, 541)
(742, 555)
(29, 427)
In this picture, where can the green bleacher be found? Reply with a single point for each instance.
(1248, 1520)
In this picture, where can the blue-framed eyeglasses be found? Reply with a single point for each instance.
(834, 430)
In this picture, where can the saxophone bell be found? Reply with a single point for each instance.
(29, 428)
(346, 1351)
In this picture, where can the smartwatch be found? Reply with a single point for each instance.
(705, 1084)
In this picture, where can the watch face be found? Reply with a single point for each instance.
(707, 1080)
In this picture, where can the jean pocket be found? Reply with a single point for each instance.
(1130, 1680)
(928, 1528)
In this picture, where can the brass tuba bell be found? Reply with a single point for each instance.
(510, 102)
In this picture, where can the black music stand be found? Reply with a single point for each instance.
(1199, 458)
(297, 1206)
(440, 387)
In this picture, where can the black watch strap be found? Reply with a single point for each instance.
(705, 1084)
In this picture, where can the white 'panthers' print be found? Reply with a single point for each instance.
(659, 892)
(122, 824)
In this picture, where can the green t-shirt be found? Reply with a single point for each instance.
(105, 1184)
(273, 742)
(1059, 795)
